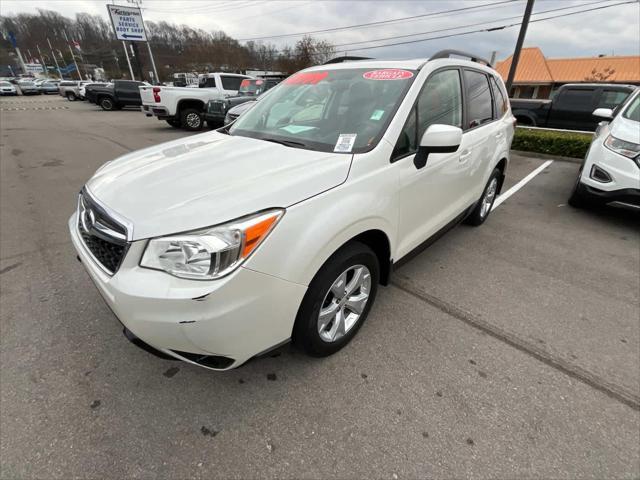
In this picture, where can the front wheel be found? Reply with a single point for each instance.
(71, 96)
(579, 198)
(483, 208)
(337, 301)
(191, 119)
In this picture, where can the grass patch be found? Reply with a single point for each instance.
(565, 144)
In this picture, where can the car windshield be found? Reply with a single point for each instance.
(5, 84)
(252, 87)
(341, 110)
(632, 112)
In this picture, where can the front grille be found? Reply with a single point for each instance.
(216, 106)
(103, 236)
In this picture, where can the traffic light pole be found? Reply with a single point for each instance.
(516, 54)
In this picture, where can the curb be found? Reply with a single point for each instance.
(546, 156)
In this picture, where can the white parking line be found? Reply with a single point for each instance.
(520, 184)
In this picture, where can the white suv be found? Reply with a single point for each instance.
(611, 169)
(219, 247)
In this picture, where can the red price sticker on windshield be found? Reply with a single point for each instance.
(388, 74)
(306, 78)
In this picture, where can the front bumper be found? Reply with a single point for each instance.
(214, 117)
(236, 317)
(623, 172)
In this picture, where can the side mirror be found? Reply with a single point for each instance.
(605, 113)
(437, 139)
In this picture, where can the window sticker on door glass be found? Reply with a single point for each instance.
(345, 142)
(377, 115)
(388, 74)
(297, 128)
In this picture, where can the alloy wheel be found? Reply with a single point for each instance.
(344, 303)
(489, 197)
(193, 120)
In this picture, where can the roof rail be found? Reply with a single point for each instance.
(449, 53)
(345, 59)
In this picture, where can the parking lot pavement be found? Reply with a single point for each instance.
(508, 351)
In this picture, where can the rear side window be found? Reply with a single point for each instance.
(440, 101)
(612, 98)
(579, 100)
(231, 83)
(479, 101)
(500, 101)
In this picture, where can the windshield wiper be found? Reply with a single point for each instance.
(288, 143)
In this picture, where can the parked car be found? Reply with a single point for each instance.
(121, 93)
(6, 88)
(49, 86)
(218, 247)
(28, 87)
(571, 107)
(611, 169)
(71, 89)
(183, 107)
(250, 89)
(234, 112)
(90, 90)
(65, 87)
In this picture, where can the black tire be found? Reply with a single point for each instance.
(107, 104)
(479, 215)
(191, 119)
(174, 122)
(579, 198)
(71, 96)
(306, 335)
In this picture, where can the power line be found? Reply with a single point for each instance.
(501, 27)
(381, 22)
(465, 26)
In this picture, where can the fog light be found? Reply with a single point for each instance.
(600, 175)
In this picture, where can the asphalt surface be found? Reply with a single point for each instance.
(506, 351)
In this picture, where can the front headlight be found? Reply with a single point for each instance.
(627, 149)
(212, 252)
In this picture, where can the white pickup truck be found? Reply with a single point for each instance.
(183, 107)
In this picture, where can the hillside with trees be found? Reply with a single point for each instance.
(176, 48)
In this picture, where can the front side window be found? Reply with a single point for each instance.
(440, 101)
(231, 83)
(479, 101)
(408, 140)
(343, 110)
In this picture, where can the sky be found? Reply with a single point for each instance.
(611, 31)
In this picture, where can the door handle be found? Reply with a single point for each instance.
(464, 156)
(499, 135)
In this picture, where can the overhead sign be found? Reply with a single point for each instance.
(127, 23)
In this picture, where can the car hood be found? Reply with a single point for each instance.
(626, 129)
(243, 107)
(211, 178)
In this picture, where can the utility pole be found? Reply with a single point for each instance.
(44, 65)
(516, 53)
(55, 60)
(73, 57)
